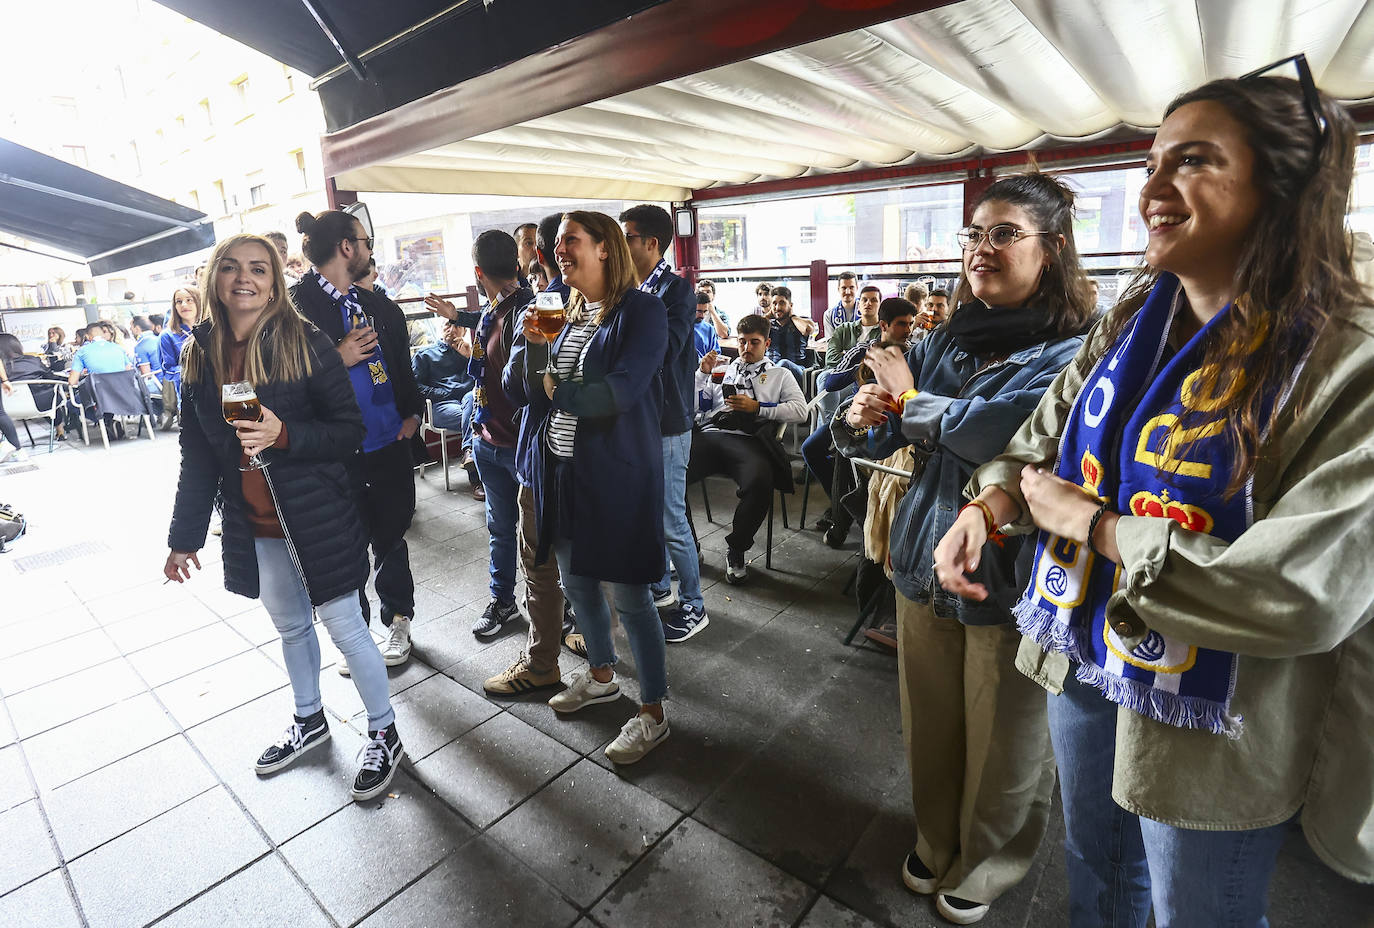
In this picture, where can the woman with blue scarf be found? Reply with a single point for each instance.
(982, 772)
(1199, 601)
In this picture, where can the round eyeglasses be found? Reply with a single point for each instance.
(998, 237)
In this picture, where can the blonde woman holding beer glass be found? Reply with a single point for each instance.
(596, 465)
(259, 382)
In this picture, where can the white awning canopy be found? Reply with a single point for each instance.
(967, 78)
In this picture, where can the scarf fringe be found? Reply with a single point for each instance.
(1167, 708)
(1042, 626)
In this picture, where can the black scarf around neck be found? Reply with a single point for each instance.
(985, 331)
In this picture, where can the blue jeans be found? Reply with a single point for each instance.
(456, 416)
(797, 370)
(284, 597)
(1118, 861)
(635, 605)
(496, 467)
(677, 532)
(819, 453)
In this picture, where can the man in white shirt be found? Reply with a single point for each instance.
(735, 435)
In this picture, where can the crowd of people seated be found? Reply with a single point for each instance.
(1080, 528)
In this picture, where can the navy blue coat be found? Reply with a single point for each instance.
(617, 524)
(680, 363)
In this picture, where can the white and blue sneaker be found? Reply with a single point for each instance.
(663, 598)
(683, 623)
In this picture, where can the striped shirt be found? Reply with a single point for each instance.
(572, 352)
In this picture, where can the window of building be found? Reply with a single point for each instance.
(219, 195)
(298, 159)
(257, 189)
(288, 81)
(194, 197)
(75, 154)
(205, 113)
(241, 94)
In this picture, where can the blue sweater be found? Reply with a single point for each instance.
(617, 528)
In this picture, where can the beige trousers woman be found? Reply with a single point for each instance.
(978, 749)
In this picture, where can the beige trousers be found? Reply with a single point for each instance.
(543, 595)
(978, 749)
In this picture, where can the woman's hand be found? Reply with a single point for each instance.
(6, 388)
(550, 385)
(256, 437)
(1057, 506)
(530, 329)
(869, 407)
(441, 307)
(177, 567)
(957, 554)
(890, 370)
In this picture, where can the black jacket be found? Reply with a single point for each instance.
(314, 495)
(390, 322)
(680, 363)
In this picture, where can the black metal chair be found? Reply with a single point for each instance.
(768, 550)
(119, 394)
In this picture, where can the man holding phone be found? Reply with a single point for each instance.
(736, 417)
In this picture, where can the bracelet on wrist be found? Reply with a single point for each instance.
(1092, 527)
(906, 395)
(989, 520)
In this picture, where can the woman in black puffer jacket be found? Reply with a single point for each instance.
(292, 533)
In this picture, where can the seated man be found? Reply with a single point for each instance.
(735, 433)
(787, 337)
(442, 375)
(895, 318)
(148, 359)
(934, 312)
(704, 330)
(714, 313)
(99, 355)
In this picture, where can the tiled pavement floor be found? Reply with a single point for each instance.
(132, 712)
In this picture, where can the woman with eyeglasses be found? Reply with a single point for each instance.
(1200, 477)
(977, 746)
(596, 466)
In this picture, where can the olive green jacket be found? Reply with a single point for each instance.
(1293, 596)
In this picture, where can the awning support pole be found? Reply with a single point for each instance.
(327, 27)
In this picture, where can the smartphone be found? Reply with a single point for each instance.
(727, 390)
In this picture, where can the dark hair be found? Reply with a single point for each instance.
(527, 225)
(846, 275)
(1295, 267)
(10, 346)
(157, 319)
(1049, 203)
(895, 307)
(496, 253)
(708, 284)
(754, 324)
(323, 232)
(652, 222)
(763, 285)
(872, 287)
(784, 292)
(142, 322)
(703, 299)
(276, 238)
(545, 240)
(61, 335)
(937, 292)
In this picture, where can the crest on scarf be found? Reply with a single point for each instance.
(378, 371)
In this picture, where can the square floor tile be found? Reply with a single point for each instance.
(511, 895)
(115, 607)
(827, 913)
(295, 797)
(151, 627)
(28, 852)
(341, 696)
(44, 903)
(176, 657)
(433, 712)
(54, 660)
(702, 878)
(14, 778)
(62, 754)
(114, 799)
(359, 857)
(36, 628)
(166, 861)
(493, 768)
(51, 704)
(220, 601)
(265, 894)
(212, 690)
(585, 829)
(254, 625)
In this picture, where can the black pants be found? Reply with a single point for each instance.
(7, 429)
(388, 504)
(743, 460)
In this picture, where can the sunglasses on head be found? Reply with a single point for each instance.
(1310, 98)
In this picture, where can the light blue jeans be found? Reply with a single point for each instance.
(1119, 862)
(635, 605)
(284, 597)
(677, 532)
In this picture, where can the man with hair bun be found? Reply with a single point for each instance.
(370, 334)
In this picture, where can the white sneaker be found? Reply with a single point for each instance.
(960, 911)
(664, 600)
(7, 451)
(637, 737)
(584, 690)
(396, 648)
(20, 454)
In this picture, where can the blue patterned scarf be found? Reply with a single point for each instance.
(1111, 447)
(477, 363)
(650, 283)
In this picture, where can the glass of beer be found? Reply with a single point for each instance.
(550, 315)
(240, 404)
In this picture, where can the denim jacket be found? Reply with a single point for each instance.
(964, 415)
